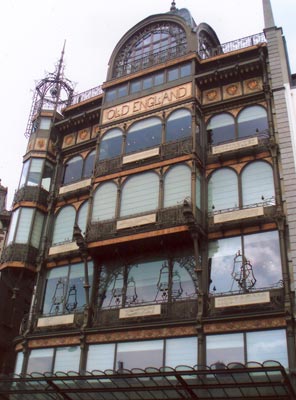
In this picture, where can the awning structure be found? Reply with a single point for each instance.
(236, 381)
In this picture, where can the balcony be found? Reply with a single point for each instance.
(22, 253)
(34, 194)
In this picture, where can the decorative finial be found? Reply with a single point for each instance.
(173, 6)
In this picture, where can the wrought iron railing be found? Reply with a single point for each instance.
(88, 94)
(23, 253)
(264, 203)
(31, 193)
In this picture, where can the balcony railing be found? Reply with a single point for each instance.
(35, 194)
(88, 94)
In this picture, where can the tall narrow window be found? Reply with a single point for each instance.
(63, 227)
(89, 165)
(178, 125)
(111, 144)
(140, 194)
(82, 217)
(104, 202)
(223, 190)
(144, 134)
(177, 185)
(257, 183)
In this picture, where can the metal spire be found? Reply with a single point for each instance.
(173, 6)
(268, 15)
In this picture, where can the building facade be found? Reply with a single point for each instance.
(155, 216)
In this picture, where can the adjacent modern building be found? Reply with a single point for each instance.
(152, 240)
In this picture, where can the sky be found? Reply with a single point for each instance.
(33, 32)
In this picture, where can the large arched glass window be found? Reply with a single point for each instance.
(144, 134)
(140, 194)
(73, 170)
(63, 227)
(111, 144)
(89, 164)
(221, 128)
(178, 125)
(223, 190)
(257, 183)
(104, 203)
(252, 121)
(177, 185)
(154, 44)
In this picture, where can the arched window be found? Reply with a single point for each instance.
(221, 128)
(252, 121)
(177, 185)
(223, 190)
(82, 217)
(178, 125)
(73, 170)
(111, 144)
(104, 203)
(89, 164)
(63, 227)
(144, 134)
(257, 183)
(140, 194)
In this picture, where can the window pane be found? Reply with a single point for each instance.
(24, 173)
(47, 175)
(111, 144)
(67, 359)
(221, 257)
(182, 283)
(173, 74)
(198, 192)
(147, 83)
(144, 134)
(75, 297)
(177, 185)
(111, 287)
(223, 190)
(100, 357)
(55, 292)
(34, 176)
(140, 194)
(40, 360)
(19, 363)
(12, 226)
(147, 283)
(263, 252)
(185, 70)
(181, 351)
(64, 223)
(267, 345)
(122, 90)
(251, 121)
(45, 123)
(82, 216)
(257, 183)
(89, 165)
(24, 225)
(104, 202)
(73, 170)
(223, 349)
(140, 354)
(136, 86)
(178, 125)
(221, 128)
(37, 229)
(159, 79)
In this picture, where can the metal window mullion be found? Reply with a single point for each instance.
(66, 290)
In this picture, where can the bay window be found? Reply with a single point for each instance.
(36, 172)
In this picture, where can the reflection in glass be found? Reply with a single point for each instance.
(223, 349)
(89, 165)
(139, 354)
(181, 351)
(67, 359)
(178, 125)
(63, 227)
(221, 128)
(73, 170)
(177, 185)
(40, 360)
(111, 144)
(100, 357)
(252, 120)
(144, 134)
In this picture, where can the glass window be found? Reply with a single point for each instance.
(40, 360)
(260, 249)
(252, 121)
(111, 94)
(19, 363)
(34, 175)
(100, 357)
(136, 86)
(140, 194)
(12, 226)
(46, 176)
(177, 185)
(24, 225)
(147, 83)
(159, 79)
(181, 351)
(182, 286)
(67, 359)
(267, 345)
(223, 190)
(24, 173)
(198, 191)
(45, 123)
(64, 292)
(122, 91)
(173, 74)
(37, 229)
(185, 70)
(178, 125)
(257, 183)
(111, 144)
(89, 164)
(111, 287)
(73, 170)
(140, 354)
(104, 203)
(221, 128)
(64, 224)
(144, 134)
(82, 217)
(224, 349)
